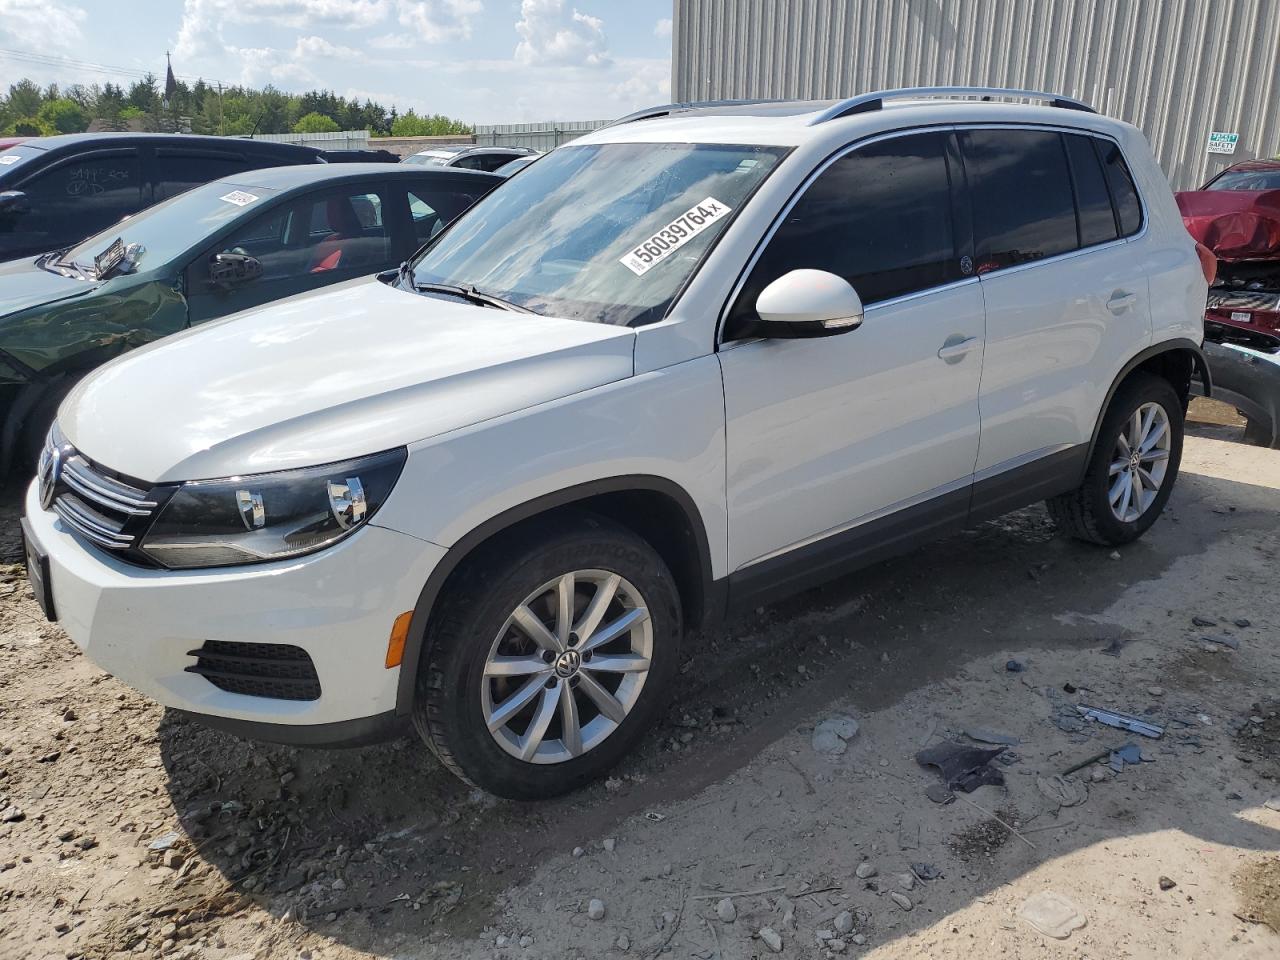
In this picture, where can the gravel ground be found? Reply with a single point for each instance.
(738, 830)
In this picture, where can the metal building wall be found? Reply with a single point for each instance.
(1177, 69)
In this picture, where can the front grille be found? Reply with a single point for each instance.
(101, 508)
(275, 670)
(1244, 300)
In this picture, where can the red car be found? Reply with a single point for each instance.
(1237, 216)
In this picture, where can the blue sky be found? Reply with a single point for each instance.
(483, 61)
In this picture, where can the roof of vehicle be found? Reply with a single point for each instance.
(1248, 166)
(72, 140)
(458, 149)
(287, 178)
(794, 122)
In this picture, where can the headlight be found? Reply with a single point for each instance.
(270, 516)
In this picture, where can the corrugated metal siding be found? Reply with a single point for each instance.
(1177, 69)
(539, 136)
(329, 140)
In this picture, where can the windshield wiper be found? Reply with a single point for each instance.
(471, 294)
(54, 263)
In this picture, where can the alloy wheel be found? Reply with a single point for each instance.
(1139, 462)
(567, 667)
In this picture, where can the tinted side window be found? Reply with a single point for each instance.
(1123, 191)
(83, 196)
(1020, 187)
(177, 171)
(879, 217)
(1093, 201)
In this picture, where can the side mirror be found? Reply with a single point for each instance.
(14, 203)
(233, 269)
(808, 303)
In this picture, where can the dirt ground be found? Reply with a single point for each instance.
(127, 831)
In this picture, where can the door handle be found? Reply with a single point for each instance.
(1121, 301)
(955, 351)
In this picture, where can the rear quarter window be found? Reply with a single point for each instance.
(1124, 192)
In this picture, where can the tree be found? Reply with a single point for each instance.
(24, 99)
(409, 124)
(64, 115)
(316, 123)
(30, 127)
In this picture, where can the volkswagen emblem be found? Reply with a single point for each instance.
(567, 664)
(49, 473)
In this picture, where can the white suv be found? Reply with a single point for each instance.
(704, 357)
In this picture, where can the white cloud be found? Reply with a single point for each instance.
(391, 41)
(663, 28)
(37, 26)
(435, 21)
(200, 30)
(551, 36)
(316, 47)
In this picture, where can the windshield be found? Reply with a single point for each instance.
(1247, 180)
(607, 233)
(171, 228)
(428, 159)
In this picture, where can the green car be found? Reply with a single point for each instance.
(220, 248)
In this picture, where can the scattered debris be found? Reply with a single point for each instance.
(1051, 914)
(843, 923)
(926, 871)
(609, 844)
(1113, 648)
(939, 793)
(962, 768)
(595, 909)
(1014, 666)
(12, 814)
(165, 841)
(865, 871)
(1156, 691)
(985, 735)
(830, 735)
(1128, 755)
(906, 881)
(901, 899)
(1199, 621)
(771, 938)
(1167, 884)
(726, 911)
(1242, 623)
(654, 817)
(1063, 792)
(1232, 643)
(1122, 721)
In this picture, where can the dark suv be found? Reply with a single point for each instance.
(55, 191)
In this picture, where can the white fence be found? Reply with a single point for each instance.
(539, 136)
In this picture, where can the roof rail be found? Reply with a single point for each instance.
(867, 102)
(694, 106)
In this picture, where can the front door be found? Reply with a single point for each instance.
(319, 239)
(827, 438)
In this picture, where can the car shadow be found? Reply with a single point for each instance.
(283, 826)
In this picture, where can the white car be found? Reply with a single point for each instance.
(488, 159)
(694, 361)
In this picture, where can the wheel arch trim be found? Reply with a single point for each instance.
(1200, 366)
(713, 597)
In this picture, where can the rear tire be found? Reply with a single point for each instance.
(1101, 510)
(484, 653)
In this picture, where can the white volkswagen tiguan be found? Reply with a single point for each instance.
(704, 357)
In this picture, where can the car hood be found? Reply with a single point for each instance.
(341, 373)
(1234, 224)
(24, 285)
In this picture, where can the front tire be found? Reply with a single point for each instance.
(550, 655)
(1132, 469)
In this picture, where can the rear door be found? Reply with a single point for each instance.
(1066, 298)
(174, 170)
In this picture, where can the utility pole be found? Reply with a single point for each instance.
(222, 116)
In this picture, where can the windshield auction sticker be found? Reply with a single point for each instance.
(9, 158)
(674, 236)
(239, 198)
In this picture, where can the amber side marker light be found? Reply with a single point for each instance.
(399, 633)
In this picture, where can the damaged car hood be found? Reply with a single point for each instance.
(24, 285)
(328, 376)
(1234, 224)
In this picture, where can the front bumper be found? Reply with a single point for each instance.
(338, 605)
